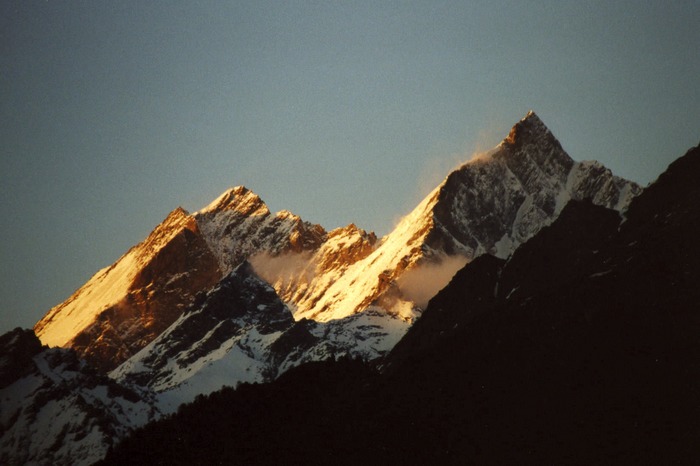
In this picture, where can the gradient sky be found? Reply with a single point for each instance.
(114, 113)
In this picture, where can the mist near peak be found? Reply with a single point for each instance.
(283, 268)
(420, 284)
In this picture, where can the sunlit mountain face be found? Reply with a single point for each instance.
(234, 293)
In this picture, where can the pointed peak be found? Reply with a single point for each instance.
(178, 212)
(351, 230)
(244, 269)
(178, 218)
(287, 215)
(528, 128)
(530, 115)
(238, 198)
(533, 120)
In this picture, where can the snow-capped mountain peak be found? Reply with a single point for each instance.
(239, 225)
(239, 199)
(490, 204)
(530, 127)
(124, 306)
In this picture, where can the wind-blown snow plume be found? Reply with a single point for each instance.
(421, 283)
(288, 266)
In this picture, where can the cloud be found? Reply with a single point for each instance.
(284, 268)
(423, 282)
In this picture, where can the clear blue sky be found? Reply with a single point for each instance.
(114, 113)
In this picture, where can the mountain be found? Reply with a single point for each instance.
(490, 204)
(124, 307)
(238, 225)
(579, 348)
(56, 409)
(348, 292)
(225, 337)
(240, 332)
(351, 294)
(582, 347)
(235, 294)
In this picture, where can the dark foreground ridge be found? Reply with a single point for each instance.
(582, 348)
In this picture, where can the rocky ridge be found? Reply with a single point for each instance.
(124, 306)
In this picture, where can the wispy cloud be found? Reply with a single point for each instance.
(424, 282)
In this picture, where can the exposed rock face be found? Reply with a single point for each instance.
(240, 331)
(499, 200)
(125, 306)
(223, 336)
(302, 279)
(17, 348)
(55, 409)
(239, 225)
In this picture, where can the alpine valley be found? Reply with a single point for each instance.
(480, 329)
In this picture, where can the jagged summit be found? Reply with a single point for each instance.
(238, 225)
(239, 199)
(530, 127)
(497, 202)
(124, 306)
(529, 136)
